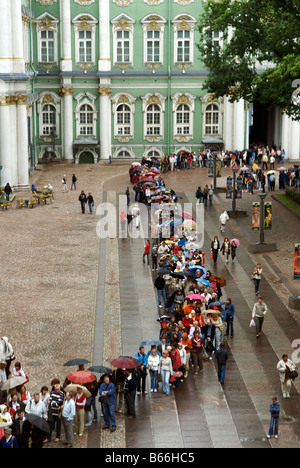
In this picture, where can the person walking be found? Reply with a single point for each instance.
(286, 367)
(229, 315)
(223, 220)
(256, 276)
(226, 249)
(64, 184)
(161, 292)
(275, 412)
(7, 191)
(83, 199)
(68, 415)
(197, 343)
(258, 315)
(199, 195)
(107, 393)
(90, 202)
(146, 252)
(221, 357)
(210, 195)
(215, 248)
(73, 183)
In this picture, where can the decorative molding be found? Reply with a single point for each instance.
(154, 2)
(46, 2)
(66, 91)
(84, 2)
(184, 2)
(123, 3)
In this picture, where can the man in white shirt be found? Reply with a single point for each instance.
(36, 406)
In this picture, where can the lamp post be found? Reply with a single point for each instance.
(234, 170)
(262, 197)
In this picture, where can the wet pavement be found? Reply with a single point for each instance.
(201, 412)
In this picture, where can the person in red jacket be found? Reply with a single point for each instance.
(197, 349)
(146, 252)
(176, 362)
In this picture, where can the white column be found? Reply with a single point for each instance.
(285, 134)
(294, 151)
(17, 35)
(239, 125)
(22, 139)
(104, 64)
(13, 142)
(66, 45)
(68, 119)
(5, 143)
(5, 36)
(228, 124)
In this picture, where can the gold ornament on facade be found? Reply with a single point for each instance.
(153, 2)
(66, 91)
(153, 100)
(124, 3)
(104, 91)
(183, 99)
(123, 98)
(47, 24)
(84, 25)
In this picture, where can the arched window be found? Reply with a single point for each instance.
(183, 120)
(153, 120)
(86, 117)
(212, 120)
(123, 120)
(123, 154)
(48, 120)
(153, 154)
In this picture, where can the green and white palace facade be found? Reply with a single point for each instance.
(83, 80)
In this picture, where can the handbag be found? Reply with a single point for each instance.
(172, 379)
(177, 374)
(293, 374)
(211, 255)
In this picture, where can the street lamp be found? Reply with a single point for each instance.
(234, 170)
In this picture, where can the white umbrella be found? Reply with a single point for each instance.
(73, 388)
(13, 382)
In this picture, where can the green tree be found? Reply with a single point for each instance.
(259, 58)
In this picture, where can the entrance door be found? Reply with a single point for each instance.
(86, 158)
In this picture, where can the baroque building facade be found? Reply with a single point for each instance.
(83, 80)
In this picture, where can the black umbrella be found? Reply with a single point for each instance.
(76, 362)
(163, 272)
(100, 369)
(38, 422)
(177, 274)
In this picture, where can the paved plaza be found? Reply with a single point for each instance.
(66, 293)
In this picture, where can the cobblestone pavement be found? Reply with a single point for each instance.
(50, 255)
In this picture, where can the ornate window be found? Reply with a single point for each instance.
(183, 110)
(46, 27)
(85, 38)
(212, 120)
(153, 108)
(48, 120)
(153, 28)
(48, 107)
(86, 116)
(123, 110)
(123, 40)
(183, 27)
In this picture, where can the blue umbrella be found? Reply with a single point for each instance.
(217, 304)
(203, 281)
(195, 268)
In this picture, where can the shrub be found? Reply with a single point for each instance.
(293, 195)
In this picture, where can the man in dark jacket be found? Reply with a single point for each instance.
(161, 293)
(129, 392)
(221, 357)
(82, 198)
(209, 331)
(21, 429)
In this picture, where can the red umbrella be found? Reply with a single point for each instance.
(123, 362)
(81, 377)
